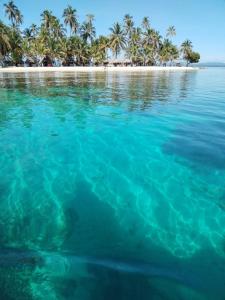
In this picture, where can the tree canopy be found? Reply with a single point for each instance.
(69, 41)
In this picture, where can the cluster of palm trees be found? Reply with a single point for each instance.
(76, 43)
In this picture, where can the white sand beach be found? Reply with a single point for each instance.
(92, 69)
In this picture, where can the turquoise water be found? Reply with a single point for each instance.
(112, 186)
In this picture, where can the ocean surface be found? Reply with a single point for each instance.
(112, 186)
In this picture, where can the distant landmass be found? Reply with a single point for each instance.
(210, 64)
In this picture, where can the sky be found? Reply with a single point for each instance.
(201, 21)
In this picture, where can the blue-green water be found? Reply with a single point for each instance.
(112, 186)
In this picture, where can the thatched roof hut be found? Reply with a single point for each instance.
(31, 62)
(117, 62)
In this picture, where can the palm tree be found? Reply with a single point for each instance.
(65, 50)
(128, 24)
(151, 45)
(27, 33)
(171, 31)
(81, 50)
(38, 49)
(13, 13)
(70, 19)
(186, 45)
(46, 18)
(174, 53)
(57, 29)
(168, 52)
(19, 18)
(146, 23)
(99, 50)
(134, 49)
(156, 39)
(88, 30)
(153, 38)
(10, 11)
(103, 43)
(16, 42)
(5, 45)
(90, 18)
(186, 49)
(34, 30)
(117, 39)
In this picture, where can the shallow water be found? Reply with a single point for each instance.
(112, 186)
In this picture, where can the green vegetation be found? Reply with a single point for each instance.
(75, 43)
(188, 54)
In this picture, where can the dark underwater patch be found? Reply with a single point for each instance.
(114, 284)
(199, 144)
(4, 189)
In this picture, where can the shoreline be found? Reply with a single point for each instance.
(92, 69)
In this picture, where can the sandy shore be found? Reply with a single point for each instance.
(92, 69)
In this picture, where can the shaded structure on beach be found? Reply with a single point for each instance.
(117, 62)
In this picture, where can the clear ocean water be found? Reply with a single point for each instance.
(112, 186)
